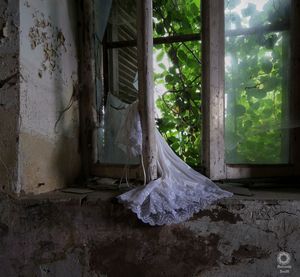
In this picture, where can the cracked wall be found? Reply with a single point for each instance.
(49, 157)
(9, 93)
(38, 81)
(96, 237)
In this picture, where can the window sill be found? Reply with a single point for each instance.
(263, 191)
(107, 196)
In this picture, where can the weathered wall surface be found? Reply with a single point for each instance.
(100, 238)
(9, 93)
(48, 150)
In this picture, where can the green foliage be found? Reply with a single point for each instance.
(180, 122)
(255, 85)
(256, 88)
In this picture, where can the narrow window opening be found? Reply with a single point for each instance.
(177, 67)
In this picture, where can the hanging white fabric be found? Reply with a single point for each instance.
(178, 193)
(129, 138)
(102, 10)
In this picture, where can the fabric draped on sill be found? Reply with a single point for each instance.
(178, 193)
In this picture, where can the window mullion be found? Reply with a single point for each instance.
(146, 87)
(213, 88)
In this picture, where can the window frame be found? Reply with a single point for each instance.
(133, 171)
(88, 114)
(213, 101)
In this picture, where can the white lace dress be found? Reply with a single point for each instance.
(177, 194)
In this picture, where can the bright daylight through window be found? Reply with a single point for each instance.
(257, 58)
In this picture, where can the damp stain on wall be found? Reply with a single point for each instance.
(91, 239)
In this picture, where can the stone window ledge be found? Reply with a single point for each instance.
(106, 201)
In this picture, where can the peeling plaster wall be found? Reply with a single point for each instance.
(48, 150)
(9, 93)
(87, 236)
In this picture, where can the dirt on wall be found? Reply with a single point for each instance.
(90, 235)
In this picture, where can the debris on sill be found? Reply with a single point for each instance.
(237, 189)
(101, 184)
(77, 190)
(98, 183)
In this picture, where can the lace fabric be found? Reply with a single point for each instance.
(129, 137)
(177, 194)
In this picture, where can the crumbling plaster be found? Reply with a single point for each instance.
(60, 235)
(39, 80)
(49, 157)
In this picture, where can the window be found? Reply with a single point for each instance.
(257, 62)
(119, 68)
(116, 65)
(249, 50)
(177, 71)
(231, 148)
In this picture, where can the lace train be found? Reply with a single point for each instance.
(176, 195)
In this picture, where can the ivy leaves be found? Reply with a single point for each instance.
(180, 120)
(256, 88)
